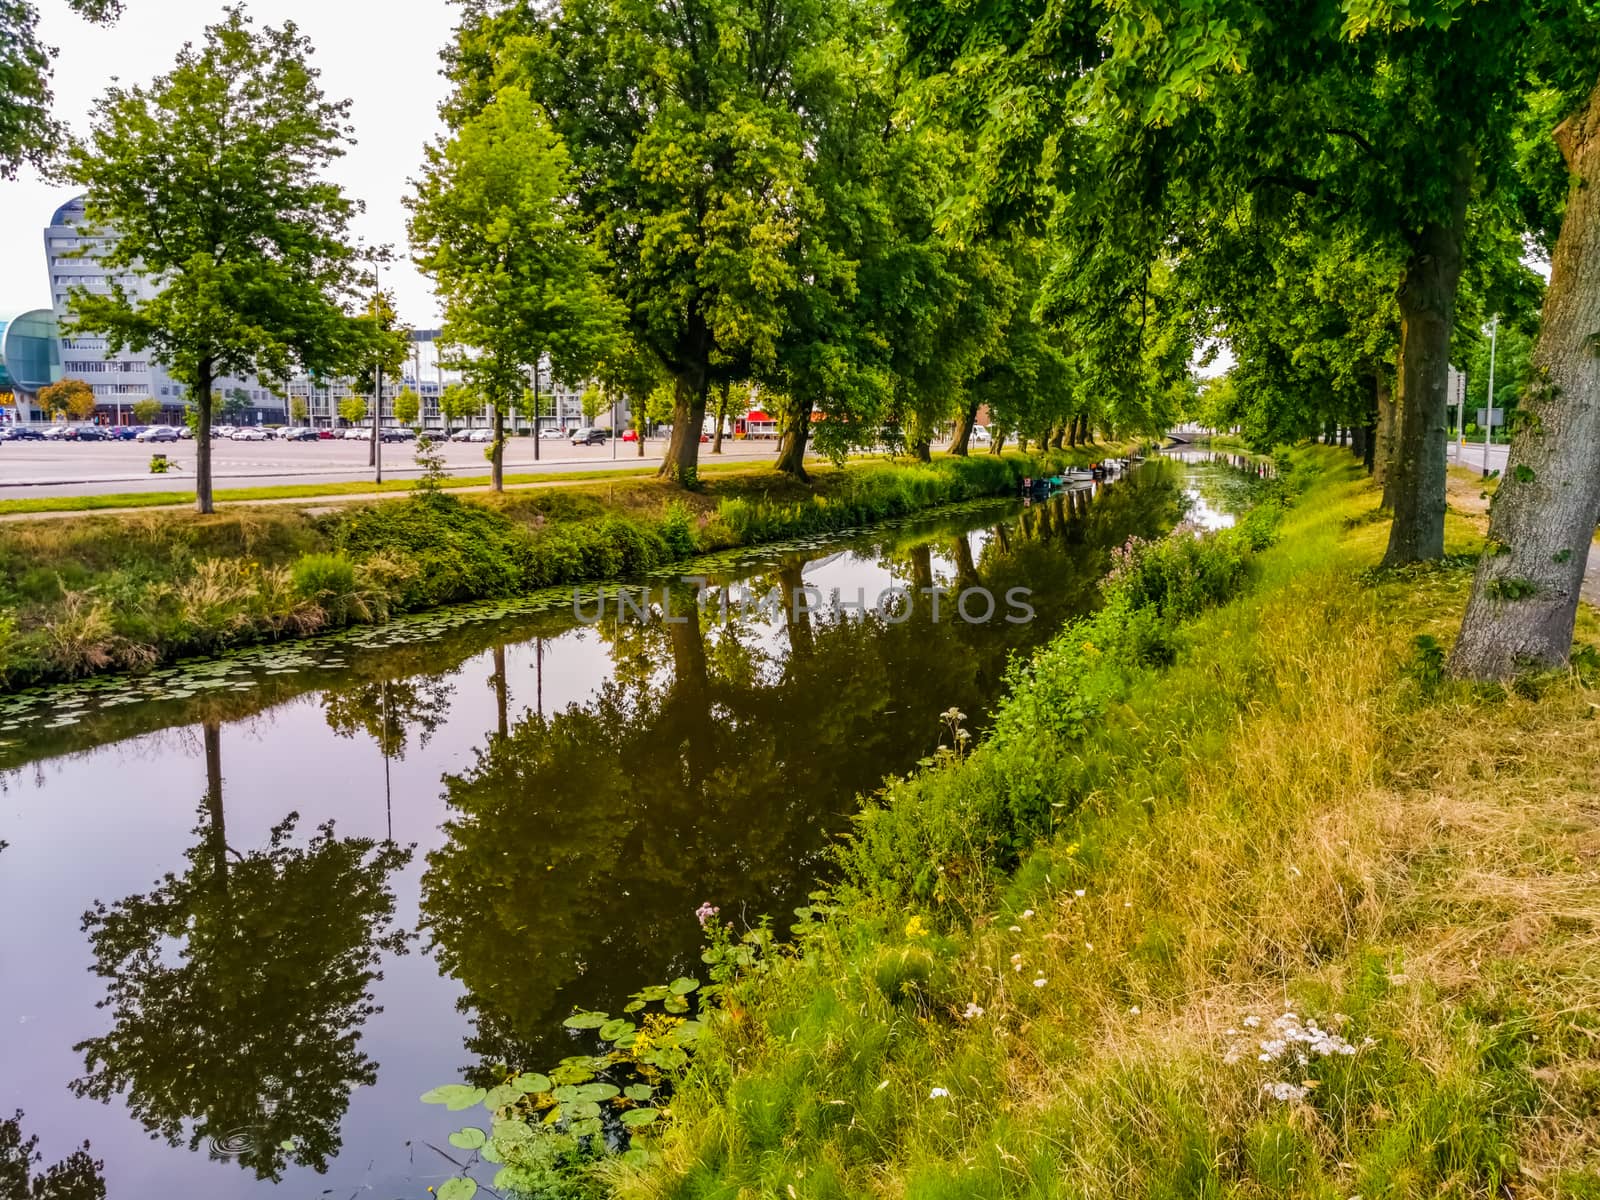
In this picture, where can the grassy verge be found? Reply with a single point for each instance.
(1238, 901)
(125, 591)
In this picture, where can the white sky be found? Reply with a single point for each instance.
(381, 54)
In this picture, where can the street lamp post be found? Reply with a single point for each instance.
(1488, 414)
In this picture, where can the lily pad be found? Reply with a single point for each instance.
(470, 1138)
(454, 1096)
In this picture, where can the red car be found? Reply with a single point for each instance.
(326, 435)
(630, 435)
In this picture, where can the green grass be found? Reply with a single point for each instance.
(123, 591)
(1272, 803)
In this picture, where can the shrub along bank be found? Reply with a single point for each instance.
(128, 591)
(1236, 899)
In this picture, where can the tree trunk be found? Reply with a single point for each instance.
(923, 449)
(1058, 440)
(1085, 431)
(1072, 432)
(497, 452)
(217, 828)
(1525, 595)
(682, 461)
(1383, 447)
(1427, 316)
(722, 416)
(998, 441)
(202, 438)
(966, 417)
(792, 449)
(498, 682)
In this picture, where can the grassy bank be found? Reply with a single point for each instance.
(1238, 899)
(127, 591)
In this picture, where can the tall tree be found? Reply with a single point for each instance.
(1525, 595)
(210, 182)
(688, 127)
(493, 223)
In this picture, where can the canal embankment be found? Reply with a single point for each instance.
(1251, 902)
(127, 592)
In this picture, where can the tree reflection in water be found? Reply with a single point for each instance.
(76, 1177)
(238, 989)
(717, 764)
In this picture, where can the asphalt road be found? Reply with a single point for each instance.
(1471, 455)
(98, 468)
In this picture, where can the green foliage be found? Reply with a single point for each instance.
(147, 410)
(407, 407)
(353, 409)
(28, 133)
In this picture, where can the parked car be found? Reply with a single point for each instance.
(588, 437)
(397, 433)
(157, 433)
(481, 435)
(357, 434)
(630, 435)
(185, 432)
(299, 433)
(551, 432)
(85, 433)
(462, 435)
(120, 433)
(20, 433)
(55, 433)
(327, 435)
(249, 433)
(980, 435)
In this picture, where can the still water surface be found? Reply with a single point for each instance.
(246, 921)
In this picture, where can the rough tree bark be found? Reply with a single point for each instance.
(1427, 316)
(1525, 595)
(792, 449)
(497, 452)
(966, 417)
(1383, 443)
(682, 461)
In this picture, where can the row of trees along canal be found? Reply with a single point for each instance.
(891, 214)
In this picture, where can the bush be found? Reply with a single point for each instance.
(329, 581)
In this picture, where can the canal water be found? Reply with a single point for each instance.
(250, 910)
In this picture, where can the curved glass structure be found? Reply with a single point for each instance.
(30, 350)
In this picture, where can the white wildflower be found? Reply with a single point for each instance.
(1284, 1091)
(1040, 982)
(1027, 913)
(973, 1012)
(1133, 1010)
(1016, 929)
(1251, 1022)
(938, 1093)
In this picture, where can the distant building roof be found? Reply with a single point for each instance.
(68, 213)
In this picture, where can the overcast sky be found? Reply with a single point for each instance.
(381, 54)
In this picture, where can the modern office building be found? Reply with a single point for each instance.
(34, 352)
(122, 377)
